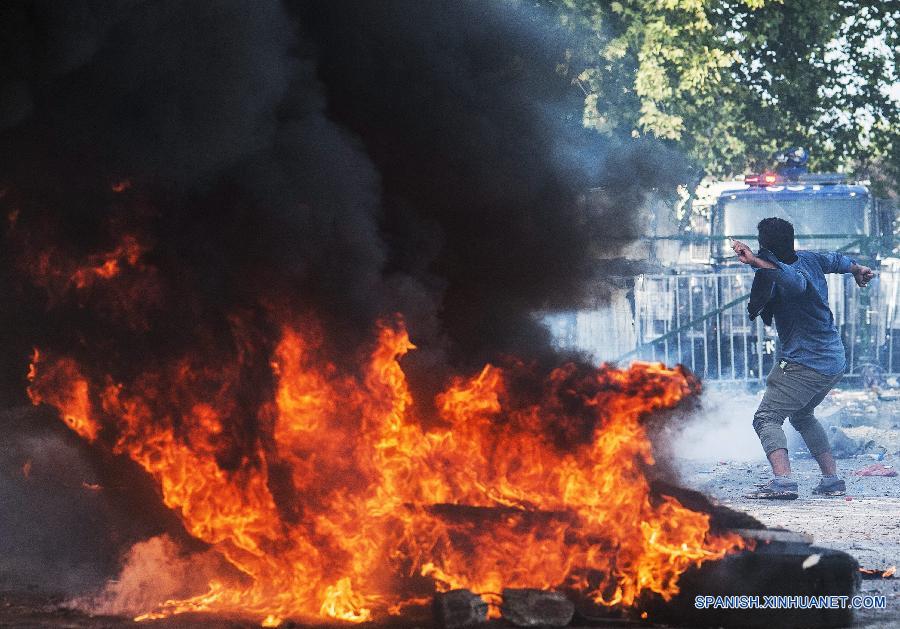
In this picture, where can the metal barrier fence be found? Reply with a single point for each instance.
(700, 320)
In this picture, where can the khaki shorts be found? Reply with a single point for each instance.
(793, 391)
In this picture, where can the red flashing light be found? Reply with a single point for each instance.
(766, 179)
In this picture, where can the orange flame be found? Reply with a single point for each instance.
(62, 385)
(52, 269)
(485, 500)
(120, 186)
(107, 265)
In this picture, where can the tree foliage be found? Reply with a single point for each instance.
(732, 81)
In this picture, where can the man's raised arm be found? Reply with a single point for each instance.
(839, 263)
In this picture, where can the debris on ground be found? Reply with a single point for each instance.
(850, 408)
(864, 441)
(459, 608)
(869, 573)
(842, 445)
(536, 608)
(876, 469)
(877, 440)
(871, 407)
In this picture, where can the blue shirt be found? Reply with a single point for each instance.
(803, 319)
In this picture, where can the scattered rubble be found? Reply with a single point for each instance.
(843, 446)
(536, 608)
(883, 440)
(459, 608)
(869, 573)
(877, 407)
(860, 424)
(876, 469)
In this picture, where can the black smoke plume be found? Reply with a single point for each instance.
(347, 161)
(353, 160)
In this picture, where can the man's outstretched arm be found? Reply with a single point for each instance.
(835, 262)
(839, 263)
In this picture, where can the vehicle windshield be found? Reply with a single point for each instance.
(811, 214)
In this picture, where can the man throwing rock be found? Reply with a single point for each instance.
(789, 286)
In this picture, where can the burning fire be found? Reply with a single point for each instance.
(382, 509)
(108, 265)
(62, 385)
(52, 269)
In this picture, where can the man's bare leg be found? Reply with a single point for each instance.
(826, 464)
(781, 464)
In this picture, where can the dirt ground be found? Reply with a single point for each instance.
(865, 523)
(723, 459)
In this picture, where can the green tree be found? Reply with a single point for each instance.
(732, 81)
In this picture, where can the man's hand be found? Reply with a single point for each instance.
(744, 254)
(862, 274)
(747, 256)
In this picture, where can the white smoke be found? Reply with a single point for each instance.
(153, 572)
(721, 429)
